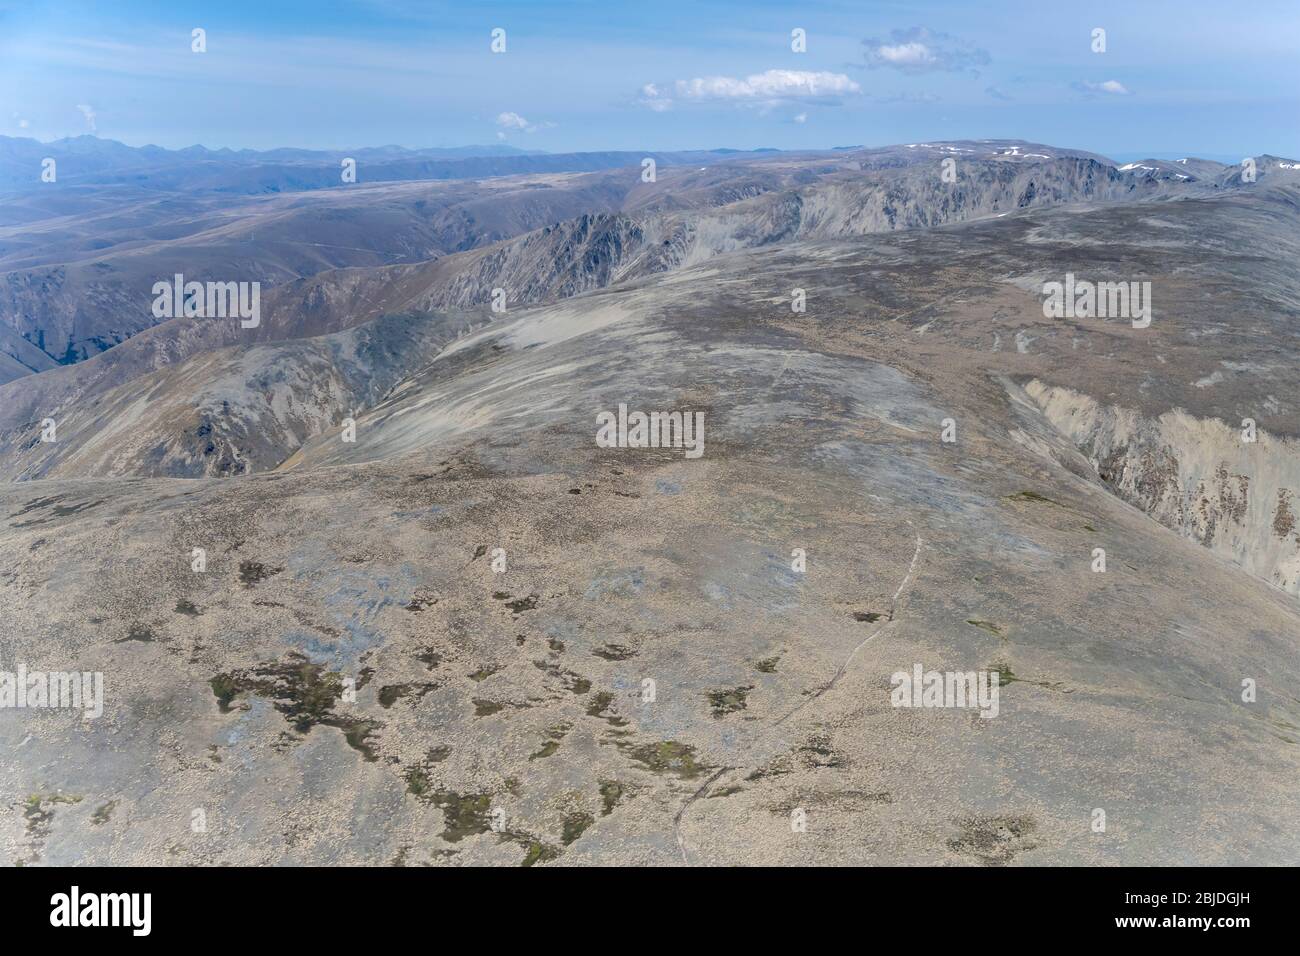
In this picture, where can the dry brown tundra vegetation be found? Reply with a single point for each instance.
(365, 589)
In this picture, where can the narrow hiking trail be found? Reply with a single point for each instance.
(883, 626)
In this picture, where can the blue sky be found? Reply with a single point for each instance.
(1203, 78)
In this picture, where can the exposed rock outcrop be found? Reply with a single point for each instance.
(1199, 477)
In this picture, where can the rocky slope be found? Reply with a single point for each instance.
(1188, 359)
(73, 286)
(643, 674)
(467, 633)
(595, 250)
(1231, 489)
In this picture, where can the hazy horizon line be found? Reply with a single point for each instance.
(1127, 156)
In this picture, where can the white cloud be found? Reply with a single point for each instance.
(769, 88)
(1114, 87)
(906, 54)
(513, 122)
(655, 98)
(89, 113)
(921, 50)
(801, 118)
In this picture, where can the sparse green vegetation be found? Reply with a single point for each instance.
(599, 705)
(539, 853)
(417, 781)
(392, 693)
(251, 572)
(611, 792)
(575, 824)
(724, 702)
(463, 814)
(226, 689)
(669, 756)
(552, 741)
(303, 692)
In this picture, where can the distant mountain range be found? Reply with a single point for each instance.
(79, 256)
(91, 161)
